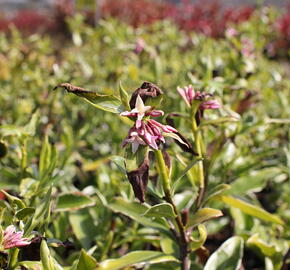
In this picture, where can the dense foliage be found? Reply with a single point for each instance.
(62, 166)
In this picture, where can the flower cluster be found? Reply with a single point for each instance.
(13, 239)
(188, 94)
(145, 131)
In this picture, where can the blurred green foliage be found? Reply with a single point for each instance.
(57, 151)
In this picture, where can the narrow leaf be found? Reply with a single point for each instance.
(86, 262)
(124, 97)
(107, 103)
(135, 257)
(183, 173)
(216, 192)
(252, 210)
(120, 163)
(45, 257)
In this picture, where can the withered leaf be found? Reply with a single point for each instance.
(107, 103)
(147, 91)
(139, 179)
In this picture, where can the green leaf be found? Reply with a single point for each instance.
(27, 130)
(216, 192)
(183, 173)
(86, 262)
(228, 256)
(120, 163)
(23, 213)
(14, 201)
(40, 215)
(255, 242)
(135, 257)
(31, 265)
(203, 215)
(135, 211)
(73, 201)
(124, 97)
(83, 227)
(252, 210)
(197, 243)
(160, 210)
(220, 120)
(107, 103)
(254, 182)
(46, 259)
(169, 246)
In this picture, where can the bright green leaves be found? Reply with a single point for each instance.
(161, 210)
(196, 243)
(41, 215)
(203, 215)
(86, 262)
(135, 211)
(124, 97)
(107, 103)
(252, 210)
(135, 257)
(28, 130)
(46, 259)
(47, 164)
(228, 256)
(73, 201)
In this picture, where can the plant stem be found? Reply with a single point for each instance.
(183, 241)
(13, 256)
(200, 169)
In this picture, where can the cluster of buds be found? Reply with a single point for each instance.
(13, 239)
(206, 99)
(145, 131)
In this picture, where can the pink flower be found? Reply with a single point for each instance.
(188, 94)
(140, 111)
(209, 105)
(145, 131)
(231, 32)
(13, 239)
(140, 45)
(248, 48)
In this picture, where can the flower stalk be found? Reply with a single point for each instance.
(182, 237)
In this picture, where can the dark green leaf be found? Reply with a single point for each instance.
(73, 201)
(161, 210)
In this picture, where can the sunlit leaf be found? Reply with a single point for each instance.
(228, 256)
(107, 103)
(252, 210)
(161, 210)
(203, 215)
(136, 257)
